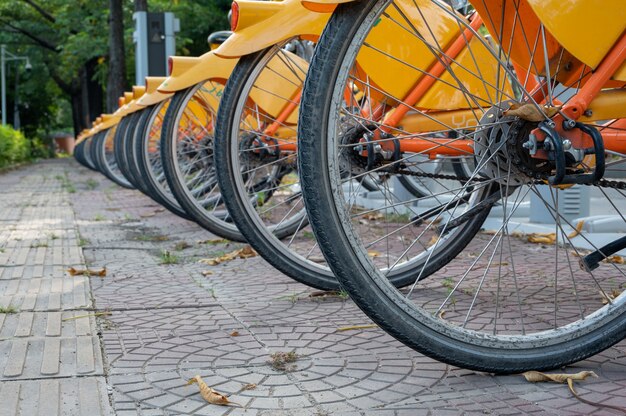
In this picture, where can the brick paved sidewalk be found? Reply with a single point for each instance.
(170, 322)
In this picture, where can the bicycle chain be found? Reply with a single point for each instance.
(604, 183)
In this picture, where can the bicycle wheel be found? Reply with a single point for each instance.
(106, 160)
(258, 181)
(257, 166)
(123, 134)
(504, 304)
(79, 154)
(187, 157)
(146, 156)
(127, 143)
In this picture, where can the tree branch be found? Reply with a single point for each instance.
(42, 42)
(41, 11)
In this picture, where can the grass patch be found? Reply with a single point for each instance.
(8, 309)
(145, 237)
(39, 244)
(66, 183)
(99, 217)
(91, 184)
(169, 258)
(181, 245)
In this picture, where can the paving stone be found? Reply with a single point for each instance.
(168, 323)
(67, 396)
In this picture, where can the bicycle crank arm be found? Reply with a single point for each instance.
(591, 260)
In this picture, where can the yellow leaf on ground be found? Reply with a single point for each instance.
(433, 240)
(537, 376)
(614, 259)
(541, 238)
(211, 395)
(87, 272)
(579, 228)
(243, 253)
(609, 297)
(373, 216)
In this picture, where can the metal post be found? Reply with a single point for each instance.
(16, 102)
(3, 61)
(4, 92)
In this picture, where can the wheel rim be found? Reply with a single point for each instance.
(464, 299)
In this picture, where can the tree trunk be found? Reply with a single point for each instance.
(141, 5)
(117, 64)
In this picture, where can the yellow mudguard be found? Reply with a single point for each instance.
(263, 24)
(389, 72)
(207, 66)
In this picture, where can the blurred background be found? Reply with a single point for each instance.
(66, 62)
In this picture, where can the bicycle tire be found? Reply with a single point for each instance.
(409, 319)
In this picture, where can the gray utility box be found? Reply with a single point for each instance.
(155, 42)
(573, 203)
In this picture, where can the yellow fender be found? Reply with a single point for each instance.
(138, 92)
(205, 67)
(152, 96)
(262, 24)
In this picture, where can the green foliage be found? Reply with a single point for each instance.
(67, 42)
(14, 148)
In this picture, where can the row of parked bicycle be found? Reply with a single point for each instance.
(370, 159)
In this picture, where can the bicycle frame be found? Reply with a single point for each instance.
(591, 103)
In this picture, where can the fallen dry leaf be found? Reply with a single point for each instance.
(579, 228)
(250, 386)
(441, 314)
(87, 272)
(614, 259)
(609, 297)
(537, 376)
(373, 216)
(541, 238)
(206, 273)
(531, 112)
(243, 253)
(234, 334)
(433, 240)
(373, 253)
(211, 395)
(570, 384)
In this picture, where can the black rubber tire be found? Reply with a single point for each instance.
(119, 148)
(214, 224)
(140, 166)
(79, 154)
(253, 230)
(93, 150)
(128, 142)
(109, 171)
(87, 146)
(375, 296)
